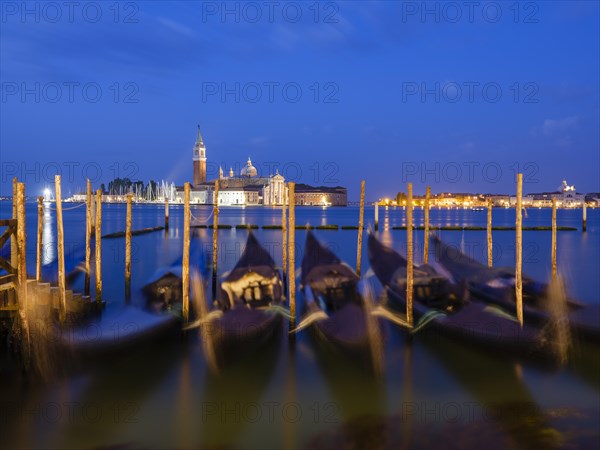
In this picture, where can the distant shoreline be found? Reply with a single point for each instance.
(350, 204)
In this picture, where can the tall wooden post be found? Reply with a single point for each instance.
(89, 229)
(166, 213)
(284, 239)
(490, 255)
(519, 250)
(361, 219)
(215, 240)
(128, 249)
(60, 235)
(409, 255)
(292, 254)
(40, 239)
(13, 242)
(376, 215)
(426, 213)
(584, 218)
(98, 233)
(185, 272)
(21, 258)
(21, 242)
(554, 271)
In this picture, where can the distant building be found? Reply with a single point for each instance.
(593, 198)
(249, 188)
(566, 197)
(275, 193)
(198, 195)
(320, 195)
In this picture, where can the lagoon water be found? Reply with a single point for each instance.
(434, 392)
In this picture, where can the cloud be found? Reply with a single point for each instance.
(559, 126)
(176, 27)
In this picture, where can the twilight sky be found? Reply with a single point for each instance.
(459, 96)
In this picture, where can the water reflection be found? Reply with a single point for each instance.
(178, 400)
(48, 240)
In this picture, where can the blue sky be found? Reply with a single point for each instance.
(383, 91)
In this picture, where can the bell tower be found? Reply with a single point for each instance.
(199, 159)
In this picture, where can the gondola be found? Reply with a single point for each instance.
(153, 312)
(333, 305)
(497, 286)
(248, 308)
(440, 305)
(163, 290)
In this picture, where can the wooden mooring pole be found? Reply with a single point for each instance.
(292, 255)
(98, 239)
(361, 223)
(128, 249)
(554, 271)
(185, 272)
(409, 255)
(490, 255)
(376, 216)
(89, 230)
(40, 239)
(21, 242)
(60, 237)
(519, 250)
(584, 218)
(215, 240)
(284, 239)
(426, 237)
(13, 242)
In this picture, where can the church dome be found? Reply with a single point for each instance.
(249, 171)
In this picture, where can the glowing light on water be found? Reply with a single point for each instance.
(48, 241)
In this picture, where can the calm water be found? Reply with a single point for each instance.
(434, 392)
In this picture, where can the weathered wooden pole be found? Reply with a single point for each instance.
(584, 219)
(185, 270)
(519, 250)
(490, 256)
(292, 255)
(21, 242)
(409, 255)
(426, 213)
(128, 248)
(88, 236)
(376, 215)
(554, 271)
(98, 238)
(40, 239)
(13, 242)
(361, 223)
(21, 249)
(60, 237)
(284, 239)
(166, 213)
(215, 239)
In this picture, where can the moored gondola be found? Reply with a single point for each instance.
(153, 313)
(497, 286)
(333, 305)
(163, 290)
(248, 309)
(440, 305)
